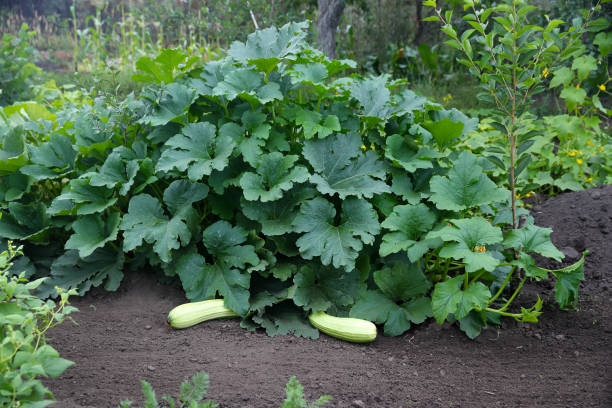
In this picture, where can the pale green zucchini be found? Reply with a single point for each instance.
(189, 314)
(344, 328)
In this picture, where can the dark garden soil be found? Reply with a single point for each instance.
(565, 360)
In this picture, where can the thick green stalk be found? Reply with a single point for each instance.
(503, 286)
(514, 295)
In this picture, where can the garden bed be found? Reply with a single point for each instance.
(562, 361)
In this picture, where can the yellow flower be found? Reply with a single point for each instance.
(601, 147)
(589, 143)
(602, 87)
(589, 179)
(572, 153)
(545, 72)
(579, 152)
(528, 195)
(479, 248)
(518, 196)
(579, 161)
(363, 147)
(372, 146)
(444, 99)
(577, 86)
(449, 96)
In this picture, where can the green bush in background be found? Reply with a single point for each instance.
(17, 72)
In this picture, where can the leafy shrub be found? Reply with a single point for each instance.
(17, 72)
(269, 180)
(192, 394)
(513, 59)
(24, 320)
(295, 396)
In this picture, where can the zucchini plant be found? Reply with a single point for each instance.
(277, 180)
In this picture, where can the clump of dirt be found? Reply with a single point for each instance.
(562, 361)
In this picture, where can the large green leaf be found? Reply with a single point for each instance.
(532, 238)
(276, 217)
(402, 281)
(377, 307)
(449, 298)
(527, 263)
(407, 102)
(341, 167)
(181, 194)
(275, 173)
(465, 186)
(71, 271)
(204, 281)
(568, 282)
(573, 97)
(568, 278)
(225, 244)
(409, 223)
(146, 221)
(88, 199)
(604, 41)
(373, 97)
(583, 66)
(563, 76)
(196, 150)
(92, 135)
(313, 124)
(173, 102)
(266, 48)
(14, 186)
(400, 300)
(401, 185)
(13, 152)
(411, 158)
(29, 110)
(338, 245)
(286, 318)
(25, 221)
(169, 64)
(457, 117)
(318, 289)
(240, 82)
(466, 240)
(314, 74)
(444, 131)
(116, 171)
(92, 232)
(51, 159)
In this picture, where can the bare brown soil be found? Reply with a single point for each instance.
(565, 360)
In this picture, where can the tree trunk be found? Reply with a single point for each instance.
(419, 22)
(330, 12)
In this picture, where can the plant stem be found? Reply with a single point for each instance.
(475, 278)
(516, 292)
(445, 275)
(500, 312)
(503, 286)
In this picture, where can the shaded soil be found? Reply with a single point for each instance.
(565, 360)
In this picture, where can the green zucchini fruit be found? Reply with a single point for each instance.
(344, 328)
(190, 314)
